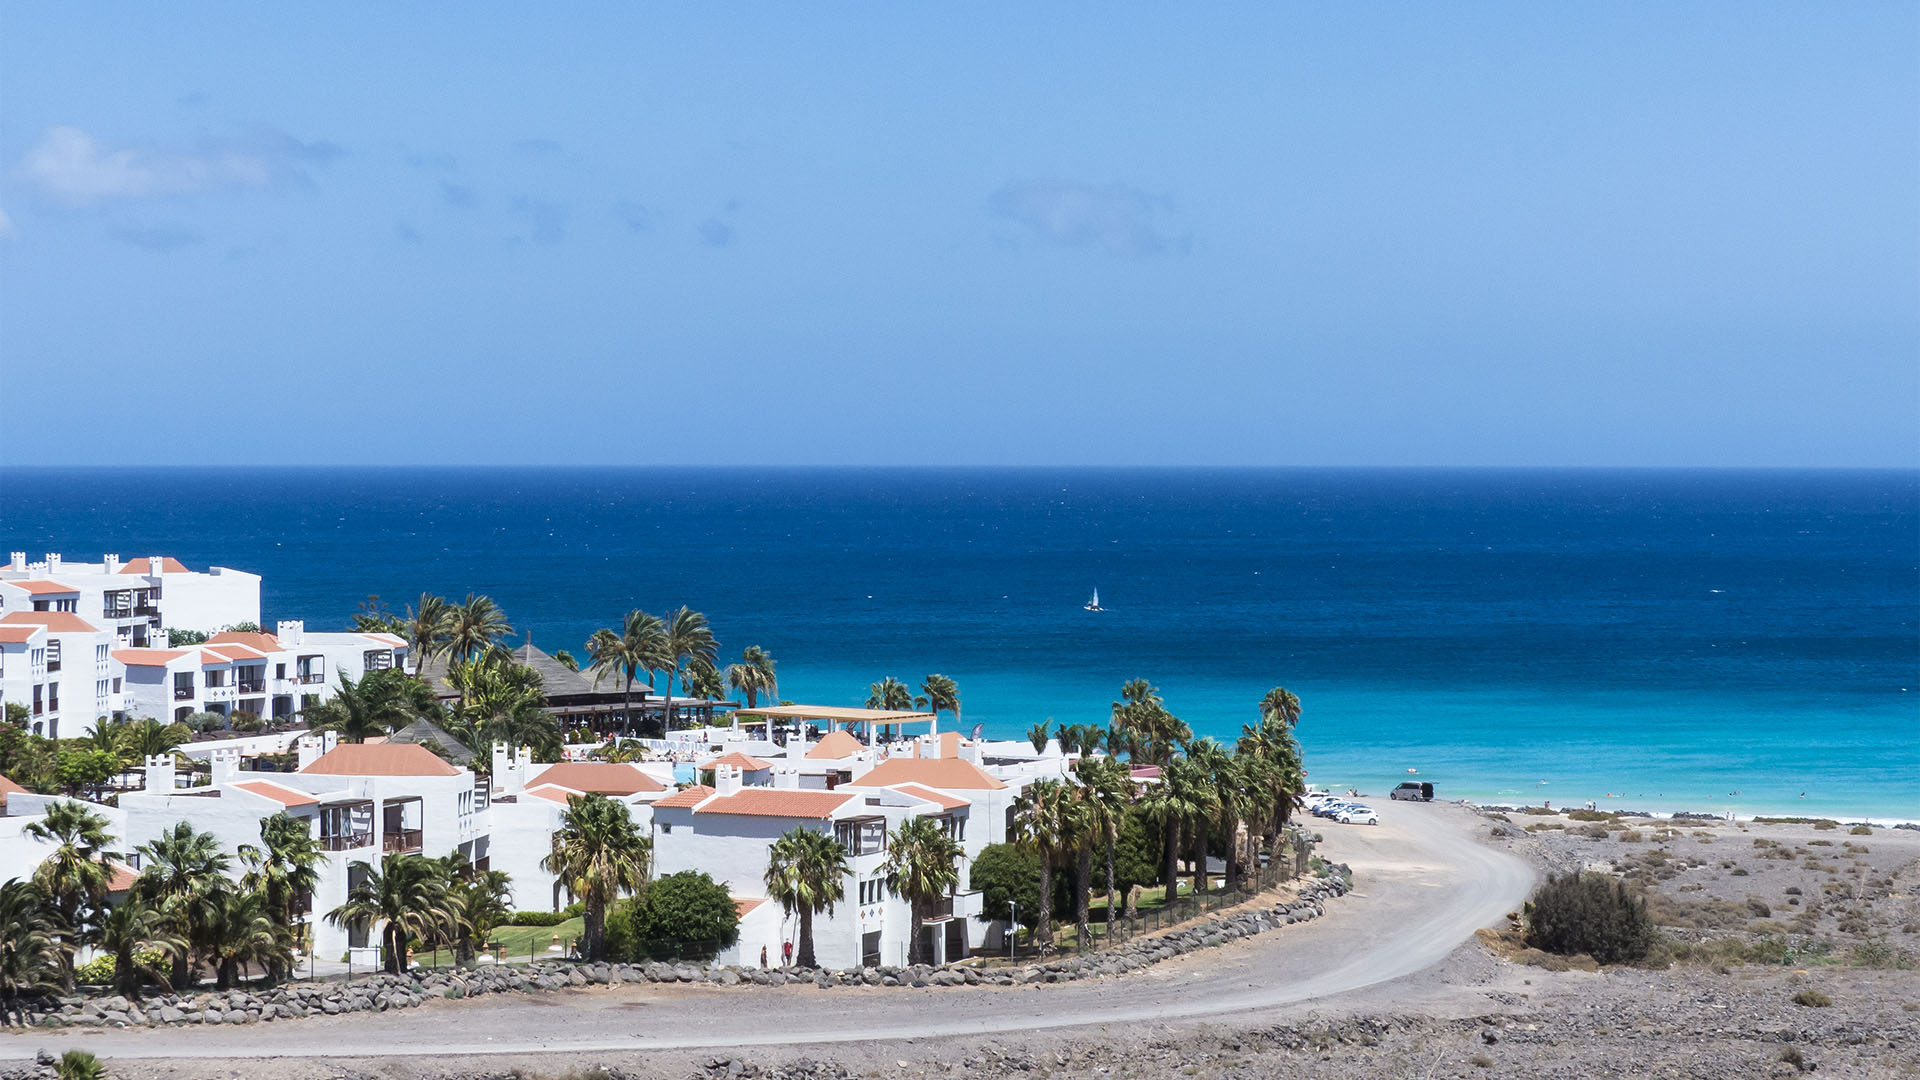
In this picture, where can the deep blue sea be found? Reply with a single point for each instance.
(1707, 640)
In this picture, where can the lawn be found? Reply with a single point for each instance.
(519, 942)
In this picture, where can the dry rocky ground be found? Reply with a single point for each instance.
(1790, 949)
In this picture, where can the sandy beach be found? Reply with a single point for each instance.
(1394, 981)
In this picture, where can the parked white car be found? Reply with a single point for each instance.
(1357, 815)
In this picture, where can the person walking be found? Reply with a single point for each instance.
(763, 958)
(786, 955)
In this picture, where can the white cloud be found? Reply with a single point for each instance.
(8, 233)
(1115, 218)
(73, 167)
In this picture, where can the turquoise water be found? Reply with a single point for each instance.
(1669, 637)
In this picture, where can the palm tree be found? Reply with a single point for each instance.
(33, 962)
(1046, 823)
(1039, 733)
(942, 693)
(406, 895)
(600, 854)
(806, 872)
(474, 626)
(891, 694)
(184, 874)
(922, 867)
(138, 740)
(1142, 719)
(640, 645)
(688, 637)
(243, 933)
(480, 901)
(1106, 786)
(1281, 706)
(753, 675)
(1272, 741)
(360, 710)
(75, 876)
(286, 871)
(703, 680)
(427, 628)
(1183, 798)
(565, 659)
(133, 932)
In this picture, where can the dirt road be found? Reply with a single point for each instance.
(1423, 884)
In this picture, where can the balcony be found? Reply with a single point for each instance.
(308, 678)
(251, 689)
(346, 841)
(183, 693)
(219, 693)
(401, 840)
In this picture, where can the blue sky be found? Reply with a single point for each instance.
(995, 234)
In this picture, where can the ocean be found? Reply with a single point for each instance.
(1743, 641)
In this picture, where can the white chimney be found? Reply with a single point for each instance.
(112, 563)
(510, 768)
(159, 774)
(972, 751)
(291, 632)
(786, 778)
(796, 746)
(19, 564)
(308, 750)
(226, 764)
(726, 779)
(53, 562)
(153, 565)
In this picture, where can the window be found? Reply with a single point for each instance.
(862, 836)
(100, 654)
(116, 686)
(53, 655)
(182, 685)
(666, 826)
(216, 677)
(66, 605)
(873, 891)
(378, 659)
(279, 671)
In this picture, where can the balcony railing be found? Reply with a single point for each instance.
(312, 678)
(400, 840)
(247, 688)
(183, 693)
(346, 841)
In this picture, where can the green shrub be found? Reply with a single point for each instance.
(1592, 914)
(537, 918)
(683, 916)
(1861, 830)
(247, 723)
(1590, 815)
(79, 1065)
(1812, 999)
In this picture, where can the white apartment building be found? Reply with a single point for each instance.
(362, 802)
(277, 676)
(139, 600)
(527, 805)
(60, 668)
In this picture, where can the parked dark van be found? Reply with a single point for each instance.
(1415, 792)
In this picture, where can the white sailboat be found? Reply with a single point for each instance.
(1094, 604)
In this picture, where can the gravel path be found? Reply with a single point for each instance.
(1423, 884)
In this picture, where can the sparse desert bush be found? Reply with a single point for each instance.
(1592, 914)
(1792, 1056)
(1812, 999)
(1758, 908)
(1631, 836)
(1819, 843)
(1591, 815)
(1826, 825)
(1861, 830)
(1739, 871)
(79, 1065)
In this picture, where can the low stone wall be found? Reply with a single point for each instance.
(381, 993)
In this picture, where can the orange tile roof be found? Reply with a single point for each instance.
(552, 793)
(388, 639)
(147, 657)
(739, 760)
(943, 800)
(121, 877)
(265, 643)
(14, 635)
(62, 622)
(285, 796)
(836, 744)
(233, 652)
(686, 797)
(8, 787)
(742, 905)
(387, 759)
(949, 774)
(605, 777)
(168, 565)
(776, 802)
(43, 587)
